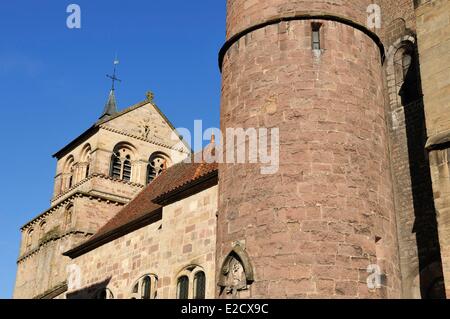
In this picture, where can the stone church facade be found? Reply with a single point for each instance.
(363, 183)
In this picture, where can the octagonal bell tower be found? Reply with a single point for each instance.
(316, 226)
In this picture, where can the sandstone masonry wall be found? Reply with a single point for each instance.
(313, 228)
(184, 237)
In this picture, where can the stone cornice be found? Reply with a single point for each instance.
(68, 200)
(84, 136)
(298, 17)
(110, 129)
(56, 198)
(52, 239)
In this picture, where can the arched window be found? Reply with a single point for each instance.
(71, 178)
(86, 160)
(407, 74)
(199, 285)
(30, 237)
(42, 228)
(183, 287)
(191, 283)
(69, 216)
(145, 287)
(68, 172)
(156, 165)
(402, 63)
(121, 165)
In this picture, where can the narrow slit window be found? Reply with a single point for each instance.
(316, 36)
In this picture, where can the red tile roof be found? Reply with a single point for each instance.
(175, 178)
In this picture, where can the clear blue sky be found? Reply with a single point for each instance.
(53, 85)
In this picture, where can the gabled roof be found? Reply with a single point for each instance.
(146, 208)
(105, 119)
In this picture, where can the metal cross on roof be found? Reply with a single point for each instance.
(113, 77)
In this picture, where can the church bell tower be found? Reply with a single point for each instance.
(97, 173)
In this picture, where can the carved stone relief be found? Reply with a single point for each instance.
(236, 274)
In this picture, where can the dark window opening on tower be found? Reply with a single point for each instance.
(116, 167)
(70, 181)
(157, 165)
(406, 63)
(407, 77)
(121, 164)
(316, 36)
(127, 169)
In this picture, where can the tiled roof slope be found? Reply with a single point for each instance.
(175, 178)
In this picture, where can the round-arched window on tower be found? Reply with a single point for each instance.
(121, 162)
(42, 228)
(407, 79)
(157, 163)
(126, 175)
(68, 173)
(68, 216)
(30, 238)
(86, 159)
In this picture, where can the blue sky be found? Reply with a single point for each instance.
(53, 85)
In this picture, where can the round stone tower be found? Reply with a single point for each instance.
(323, 224)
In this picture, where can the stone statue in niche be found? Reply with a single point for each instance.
(236, 273)
(235, 276)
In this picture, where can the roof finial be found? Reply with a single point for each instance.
(113, 77)
(111, 107)
(150, 96)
